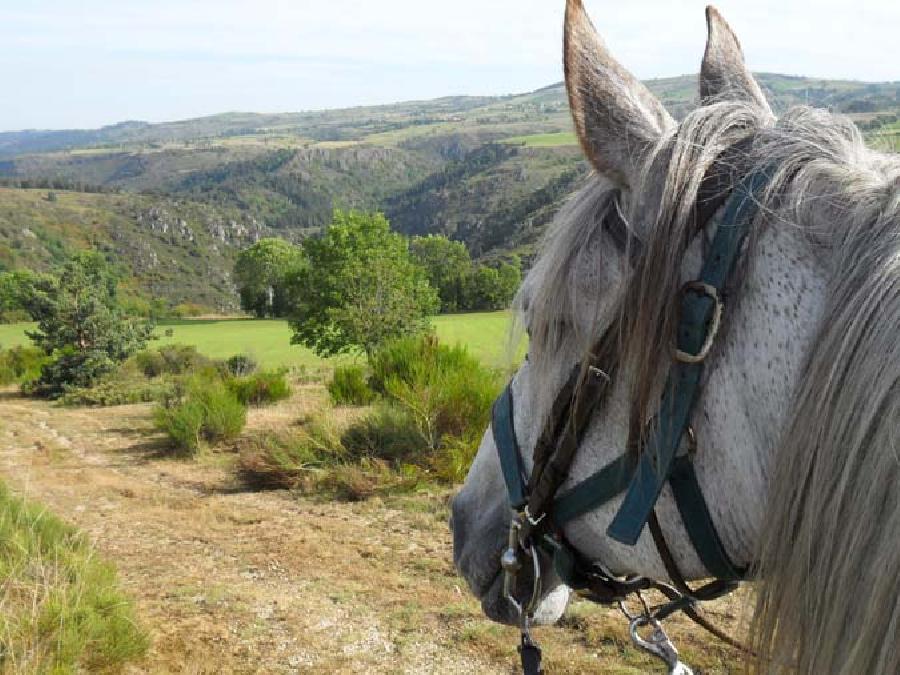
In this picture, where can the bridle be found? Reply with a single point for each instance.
(661, 453)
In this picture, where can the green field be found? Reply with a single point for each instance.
(268, 340)
(544, 140)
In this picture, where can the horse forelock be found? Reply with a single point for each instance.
(829, 589)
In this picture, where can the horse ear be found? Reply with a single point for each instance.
(616, 117)
(723, 74)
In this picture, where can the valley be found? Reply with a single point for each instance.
(174, 202)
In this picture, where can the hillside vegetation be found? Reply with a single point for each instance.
(173, 202)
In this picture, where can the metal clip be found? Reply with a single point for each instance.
(511, 563)
(658, 644)
(534, 522)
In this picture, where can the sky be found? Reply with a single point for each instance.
(86, 63)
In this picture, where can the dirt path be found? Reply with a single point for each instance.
(235, 581)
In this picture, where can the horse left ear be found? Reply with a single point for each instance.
(724, 74)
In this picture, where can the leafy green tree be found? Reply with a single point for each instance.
(261, 272)
(22, 293)
(359, 288)
(82, 327)
(490, 288)
(447, 264)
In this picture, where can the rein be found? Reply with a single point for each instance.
(667, 454)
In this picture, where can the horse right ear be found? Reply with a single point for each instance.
(616, 117)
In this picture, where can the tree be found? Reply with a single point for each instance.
(359, 288)
(493, 287)
(261, 272)
(82, 327)
(21, 294)
(447, 264)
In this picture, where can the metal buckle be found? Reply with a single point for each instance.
(709, 290)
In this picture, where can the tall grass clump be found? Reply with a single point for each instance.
(349, 386)
(295, 458)
(260, 388)
(62, 609)
(202, 409)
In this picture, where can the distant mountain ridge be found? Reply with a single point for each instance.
(489, 171)
(848, 96)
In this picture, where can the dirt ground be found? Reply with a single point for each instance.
(232, 581)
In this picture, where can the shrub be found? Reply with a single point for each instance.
(444, 391)
(190, 309)
(388, 433)
(261, 388)
(171, 360)
(348, 386)
(241, 365)
(183, 425)
(14, 315)
(20, 364)
(203, 409)
(119, 390)
(417, 359)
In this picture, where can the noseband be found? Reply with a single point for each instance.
(641, 471)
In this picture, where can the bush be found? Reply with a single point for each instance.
(119, 390)
(171, 360)
(202, 409)
(417, 359)
(262, 388)
(348, 386)
(388, 433)
(444, 393)
(241, 365)
(14, 315)
(20, 364)
(183, 425)
(188, 310)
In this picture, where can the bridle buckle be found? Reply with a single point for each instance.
(702, 288)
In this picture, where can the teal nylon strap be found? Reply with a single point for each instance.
(698, 522)
(683, 383)
(595, 490)
(504, 431)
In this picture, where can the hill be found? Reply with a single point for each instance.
(489, 171)
(179, 251)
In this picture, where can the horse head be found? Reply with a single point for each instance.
(795, 417)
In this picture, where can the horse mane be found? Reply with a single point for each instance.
(833, 517)
(829, 595)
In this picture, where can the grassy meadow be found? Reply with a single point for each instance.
(548, 140)
(485, 334)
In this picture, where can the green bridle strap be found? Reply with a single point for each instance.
(698, 322)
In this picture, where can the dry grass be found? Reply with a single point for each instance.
(233, 581)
